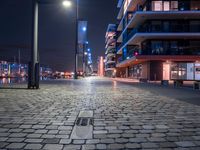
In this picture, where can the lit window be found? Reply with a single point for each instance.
(156, 5)
(174, 5)
(166, 6)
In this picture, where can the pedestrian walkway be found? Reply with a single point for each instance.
(186, 93)
(124, 116)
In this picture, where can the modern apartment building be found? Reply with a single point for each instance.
(158, 39)
(110, 58)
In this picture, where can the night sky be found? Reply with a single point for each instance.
(56, 30)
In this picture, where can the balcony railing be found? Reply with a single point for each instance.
(152, 29)
(132, 33)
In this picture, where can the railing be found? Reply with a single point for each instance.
(110, 66)
(132, 33)
(111, 51)
(172, 29)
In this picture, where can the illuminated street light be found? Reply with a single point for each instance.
(86, 53)
(84, 29)
(67, 3)
(34, 71)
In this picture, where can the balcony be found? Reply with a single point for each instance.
(136, 36)
(110, 42)
(130, 8)
(110, 50)
(110, 61)
(139, 17)
(112, 68)
(144, 58)
(110, 55)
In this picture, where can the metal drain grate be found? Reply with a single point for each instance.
(84, 121)
(83, 128)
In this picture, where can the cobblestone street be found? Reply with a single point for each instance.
(124, 117)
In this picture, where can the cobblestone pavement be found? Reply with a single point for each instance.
(125, 117)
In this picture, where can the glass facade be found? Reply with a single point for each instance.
(135, 71)
(170, 47)
(156, 26)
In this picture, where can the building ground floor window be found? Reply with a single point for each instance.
(162, 70)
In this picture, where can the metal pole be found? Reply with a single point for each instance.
(34, 48)
(76, 41)
(19, 57)
(84, 59)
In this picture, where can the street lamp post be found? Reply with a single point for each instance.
(76, 41)
(67, 3)
(34, 68)
(33, 81)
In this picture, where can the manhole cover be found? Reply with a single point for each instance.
(83, 128)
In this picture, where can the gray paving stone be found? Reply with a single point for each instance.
(51, 141)
(25, 126)
(16, 140)
(94, 141)
(185, 144)
(168, 145)
(78, 142)
(162, 127)
(4, 134)
(38, 126)
(106, 141)
(41, 131)
(65, 141)
(101, 146)
(121, 140)
(15, 130)
(28, 131)
(149, 145)
(17, 135)
(15, 146)
(34, 135)
(138, 140)
(3, 139)
(33, 140)
(53, 147)
(3, 130)
(72, 147)
(132, 146)
(88, 147)
(116, 146)
(33, 146)
(3, 144)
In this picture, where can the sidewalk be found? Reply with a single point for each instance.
(123, 116)
(184, 93)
